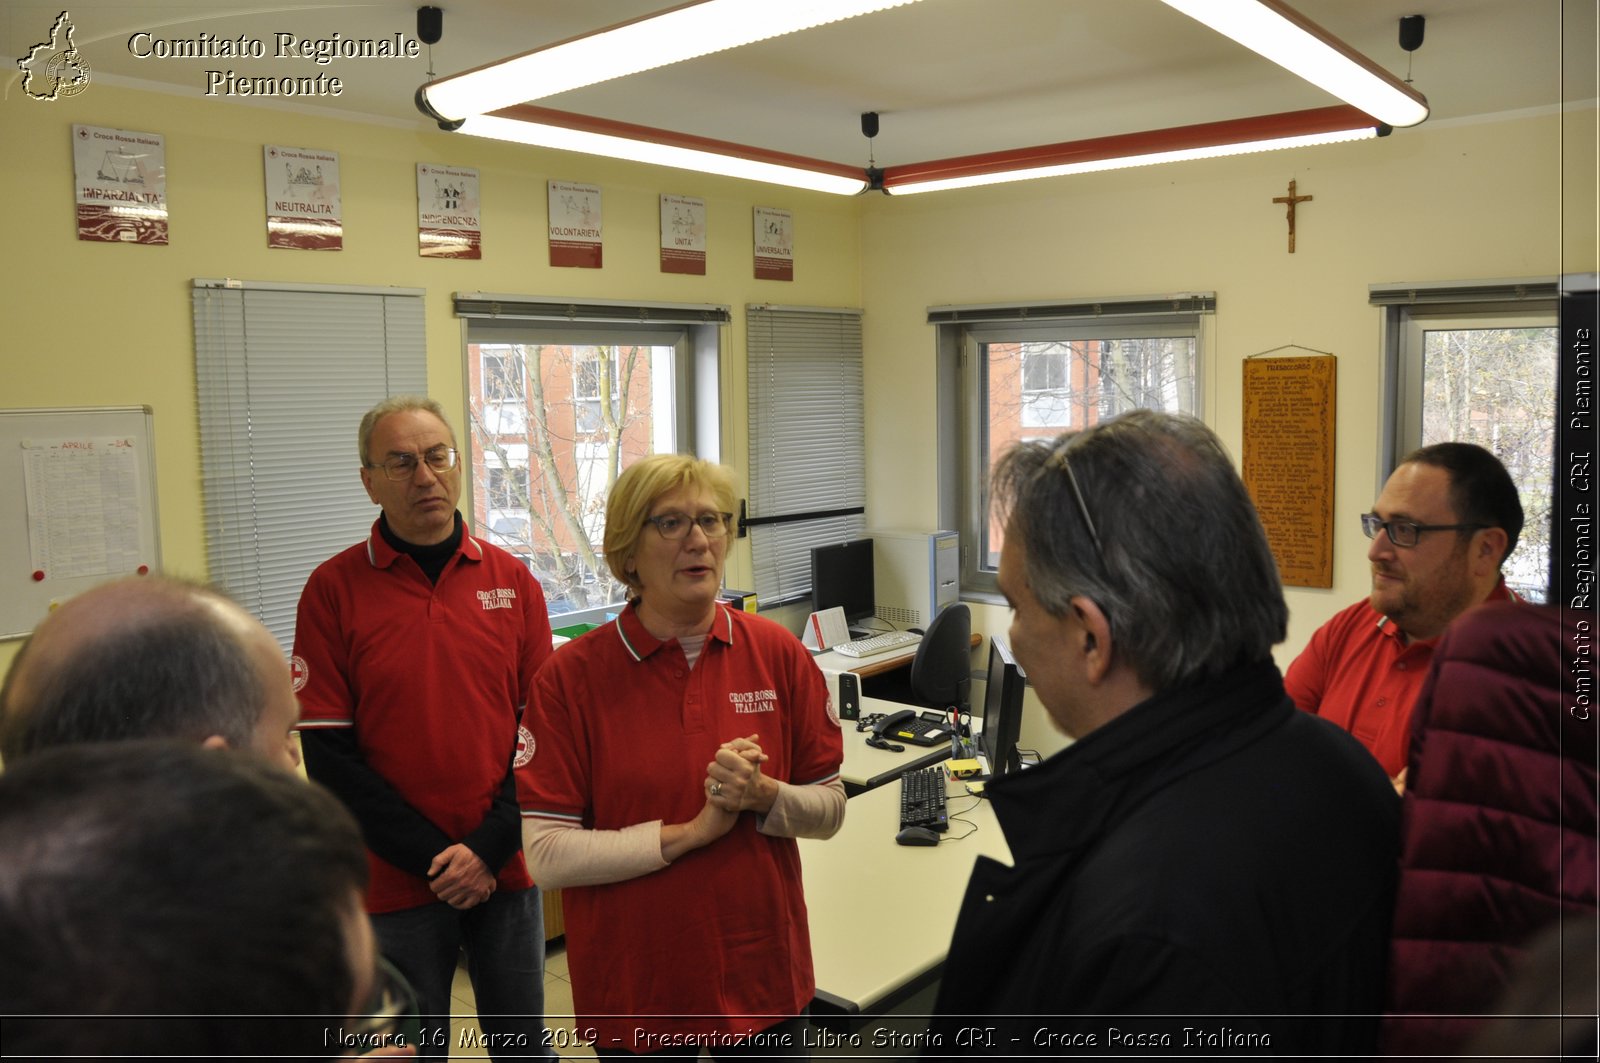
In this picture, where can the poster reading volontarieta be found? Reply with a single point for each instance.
(575, 225)
(448, 223)
(683, 235)
(121, 179)
(774, 244)
(303, 206)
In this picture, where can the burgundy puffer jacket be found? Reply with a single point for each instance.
(1498, 826)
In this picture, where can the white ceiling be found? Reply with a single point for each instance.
(949, 77)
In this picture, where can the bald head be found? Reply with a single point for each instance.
(149, 657)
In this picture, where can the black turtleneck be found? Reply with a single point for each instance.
(431, 559)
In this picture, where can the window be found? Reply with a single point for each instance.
(806, 441)
(284, 374)
(1477, 364)
(1016, 374)
(557, 409)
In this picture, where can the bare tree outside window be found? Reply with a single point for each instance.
(1496, 387)
(552, 427)
(1037, 389)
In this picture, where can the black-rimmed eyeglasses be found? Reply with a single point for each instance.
(1405, 532)
(674, 526)
(404, 466)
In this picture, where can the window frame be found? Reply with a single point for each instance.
(694, 332)
(1409, 311)
(961, 333)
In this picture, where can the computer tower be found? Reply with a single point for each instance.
(915, 574)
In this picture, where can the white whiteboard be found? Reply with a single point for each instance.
(79, 490)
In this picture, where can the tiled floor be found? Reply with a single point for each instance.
(557, 1006)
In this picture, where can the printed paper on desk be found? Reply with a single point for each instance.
(826, 629)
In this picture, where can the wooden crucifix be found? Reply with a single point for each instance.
(1290, 200)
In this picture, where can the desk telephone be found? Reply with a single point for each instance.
(907, 726)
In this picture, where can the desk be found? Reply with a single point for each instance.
(865, 767)
(864, 962)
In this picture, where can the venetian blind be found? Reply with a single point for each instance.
(806, 440)
(284, 375)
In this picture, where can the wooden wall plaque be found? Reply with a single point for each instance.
(1288, 461)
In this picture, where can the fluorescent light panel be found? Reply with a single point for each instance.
(563, 138)
(1286, 37)
(687, 32)
(1149, 159)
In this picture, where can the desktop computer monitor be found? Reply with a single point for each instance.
(1002, 708)
(841, 574)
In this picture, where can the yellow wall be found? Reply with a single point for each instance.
(1435, 203)
(99, 324)
(92, 324)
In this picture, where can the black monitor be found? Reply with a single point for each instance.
(841, 574)
(1002, 708)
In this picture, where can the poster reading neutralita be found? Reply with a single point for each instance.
(448, 222)
(121, 179)
(303, 206)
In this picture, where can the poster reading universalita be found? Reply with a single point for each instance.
(121, 179)
(303, 206)
(575, 225)
(774, 244)
(448, 223)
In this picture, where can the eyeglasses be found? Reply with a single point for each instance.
(390, 1015)
(1405, 532)
(674, 526)
(404, 466)
(1059, 459)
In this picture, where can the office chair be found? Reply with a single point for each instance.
(941, 673)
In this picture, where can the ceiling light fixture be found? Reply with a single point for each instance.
(1283, 35)
(545, 128)
(1209, 140)
(688, 31)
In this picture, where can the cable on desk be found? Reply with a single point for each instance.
(955, 817)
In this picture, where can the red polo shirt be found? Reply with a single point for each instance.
(623, 730)
(1358, 672)
(431, 677)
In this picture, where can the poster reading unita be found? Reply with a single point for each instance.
(121, 179)
(303, 205)
(683, 235)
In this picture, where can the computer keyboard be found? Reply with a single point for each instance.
(892, 640)
(922, 801)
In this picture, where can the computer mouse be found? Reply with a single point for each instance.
(917, 836)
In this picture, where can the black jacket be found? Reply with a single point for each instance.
(1212, 871)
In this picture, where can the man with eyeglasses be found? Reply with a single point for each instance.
(1444, 524)
(414, 651)
(1205, 868)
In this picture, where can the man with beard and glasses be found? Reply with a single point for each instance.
(1446, 521)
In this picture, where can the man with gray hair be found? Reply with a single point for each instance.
(150, 657)
(415, 650)
(1205, 867)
